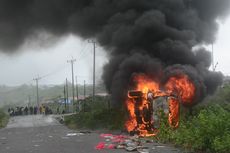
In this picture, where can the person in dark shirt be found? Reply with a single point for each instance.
(26, 110)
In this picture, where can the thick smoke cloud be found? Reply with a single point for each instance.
(131, 65)
(139, 35)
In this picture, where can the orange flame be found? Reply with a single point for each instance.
(183, 87)
(185, 90)
(178, 89)
(173, 117)
(144, 84)
(131, 123)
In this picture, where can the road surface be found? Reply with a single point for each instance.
(43, 134)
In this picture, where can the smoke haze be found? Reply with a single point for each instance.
(140, 36)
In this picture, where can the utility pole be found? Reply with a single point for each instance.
(213, 67)
(213, 62)
(84, 98)
(78, 102)
(37, 79)
(94, 50)
(67, 95)
(84, 89)
(72, 62)
(77, 88)
(29, 101)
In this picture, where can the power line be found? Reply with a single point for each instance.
(83, 55)
(54, 72)
(83, 52)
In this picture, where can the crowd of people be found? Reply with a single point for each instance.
(45, 110)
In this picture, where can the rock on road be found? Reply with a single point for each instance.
(43, 134)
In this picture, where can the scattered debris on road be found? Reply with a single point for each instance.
(74, 134)
(128, 143)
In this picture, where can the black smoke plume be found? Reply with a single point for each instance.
(141, 36)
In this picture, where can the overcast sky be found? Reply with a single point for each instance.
(222, 48)
(50, 62)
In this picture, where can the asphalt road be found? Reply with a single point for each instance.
(43, 134)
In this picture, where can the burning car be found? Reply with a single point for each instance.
(147, 101)
(147, 110)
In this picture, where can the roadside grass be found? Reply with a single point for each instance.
(100, 119)
(96, 115)
(3, 119)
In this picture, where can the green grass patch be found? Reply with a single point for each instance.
(101, 119)
(96, 115)
(3, 119)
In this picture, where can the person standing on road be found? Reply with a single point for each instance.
(35, 110)
(43, 109)
(26, 110)
(31, 110)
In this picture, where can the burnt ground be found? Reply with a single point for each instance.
(44, 134)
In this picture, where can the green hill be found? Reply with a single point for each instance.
(21, 95)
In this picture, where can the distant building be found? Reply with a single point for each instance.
(46, 101)
(103, 94)
(81, 97)
(62, 101)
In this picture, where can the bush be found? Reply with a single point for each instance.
(96, 115)
(3, 119)
(99, 119)
(207, 131)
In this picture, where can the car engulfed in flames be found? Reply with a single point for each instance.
(148, 100)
